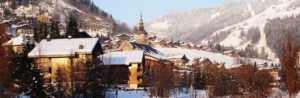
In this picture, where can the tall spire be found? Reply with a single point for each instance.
(141, 25)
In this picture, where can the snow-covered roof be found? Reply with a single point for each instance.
(156, 56)
(146, 48)
(21, 25)
(123, 57)
(15, 41)
(176, 56)
(64, 47)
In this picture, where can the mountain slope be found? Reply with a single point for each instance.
(90, 17)
(238, 24)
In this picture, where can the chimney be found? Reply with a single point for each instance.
(69, 37)
(48, 38)
(81, 46)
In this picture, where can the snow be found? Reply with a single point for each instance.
(176, 56)
(123, 57)
(161, 25)
(215, 15)
(191, 54)
(103, 32)
(144, 94)
(127, 94)
(250, 9)
(15, 41)
(256, 21)
(63, 47)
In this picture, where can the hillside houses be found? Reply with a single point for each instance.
(16, 44)
(129, 59)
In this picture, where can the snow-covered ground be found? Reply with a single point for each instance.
(256, 21)
(191, 54)
(184, 93)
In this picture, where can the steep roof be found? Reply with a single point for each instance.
(64, 47)
(178, 56)
(123, 57)
(18, 41)
(15, 41)
(146, 48)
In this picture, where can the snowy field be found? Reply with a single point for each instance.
(144, 94)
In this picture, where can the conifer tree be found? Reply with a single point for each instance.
(21, 67)
(96, 82)
(72, 26)
(200, 80)
(36, 82)
(41, 32)
(54, 29)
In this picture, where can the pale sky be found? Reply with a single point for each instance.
(129, 10)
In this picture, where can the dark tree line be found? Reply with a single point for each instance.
(277, 30)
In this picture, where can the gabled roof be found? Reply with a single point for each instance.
(82, 34)
(123, 57)
(22, 26)
(146, 48)
(178, 56)
(64, 47)
(17, 41)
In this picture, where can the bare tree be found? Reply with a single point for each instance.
(289, 61)
(162, 77)
(4, 63)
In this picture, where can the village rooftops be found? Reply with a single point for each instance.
(123, 57)
(64, 47)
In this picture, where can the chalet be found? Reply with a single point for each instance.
(229, 53)
(156, 43)
(16, 43)
(275, 73)
(187, 46)
(52, 55)
(206, 62)
(122, 37)
(25, 29)
(152, 38)
(163, 43)
(8, 26)
(132, 61)
(180, 60)
(199, 47)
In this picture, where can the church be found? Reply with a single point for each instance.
(140, 43)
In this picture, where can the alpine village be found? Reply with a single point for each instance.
(73, 49)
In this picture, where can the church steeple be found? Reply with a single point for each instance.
(141, 24)
(141, 35)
